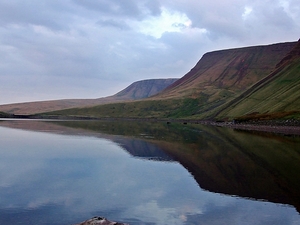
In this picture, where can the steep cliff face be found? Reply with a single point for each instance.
(293, 55)
(233, 69)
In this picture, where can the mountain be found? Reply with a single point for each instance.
(137, 90)
(217, 80)
(220, 76)
(144, 89)
(275, 96)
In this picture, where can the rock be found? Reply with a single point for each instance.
(100, 221)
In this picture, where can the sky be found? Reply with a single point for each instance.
(54, 49)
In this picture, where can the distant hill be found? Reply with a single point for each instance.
(137, 90)
(144, 89)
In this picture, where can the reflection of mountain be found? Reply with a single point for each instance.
(144, 150)
(229, 162)
(221, 160)
(135, 147)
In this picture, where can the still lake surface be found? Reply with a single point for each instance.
(64, 172)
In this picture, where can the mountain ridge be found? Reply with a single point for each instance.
(217, 83)
(218, 79)
(236, 68)
(145, 88)
(137, 90)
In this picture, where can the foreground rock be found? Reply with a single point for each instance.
(100, 221)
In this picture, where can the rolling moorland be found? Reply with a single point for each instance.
(259, 82)
(137, 90)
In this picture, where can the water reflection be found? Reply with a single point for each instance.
(248, 164)
(74, 170)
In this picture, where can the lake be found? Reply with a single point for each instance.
(64, 172)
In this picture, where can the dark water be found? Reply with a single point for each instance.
(146, 173)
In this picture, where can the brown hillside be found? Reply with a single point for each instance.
(230, 70)
(294, 54)
(273, 96)
(137, 90)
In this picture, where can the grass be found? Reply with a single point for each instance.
(269, 116)
(278, 95)
(174, 108)
(4, 115)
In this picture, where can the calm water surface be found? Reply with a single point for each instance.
(67, 172)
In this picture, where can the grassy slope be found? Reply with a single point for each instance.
(281, 95)
(4, 115)
(276, 96)
(175, 108)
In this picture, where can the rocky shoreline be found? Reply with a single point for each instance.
(270, 128)
(286, 127)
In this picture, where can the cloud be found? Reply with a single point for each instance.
(168, 21)
(119, 8)
(90, 49)
(113, 23)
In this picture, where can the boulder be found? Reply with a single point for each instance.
(100, 221)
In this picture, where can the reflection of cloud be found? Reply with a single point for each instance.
(156, 213)
(246, 212)
(10, 176)
(79, 175)
(83, 175)
(160, 214)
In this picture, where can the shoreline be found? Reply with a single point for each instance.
(275, 129)
(285, 127)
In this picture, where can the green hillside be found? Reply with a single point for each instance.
(169, 108)
(4, 115)
(276, 96)
(282, 94)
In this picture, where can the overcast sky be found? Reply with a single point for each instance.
(57, 49)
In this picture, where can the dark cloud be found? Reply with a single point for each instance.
(118, 8)
(154, 7)
(128, 8)
(114, 23)
(274, 16)
(33, 12)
